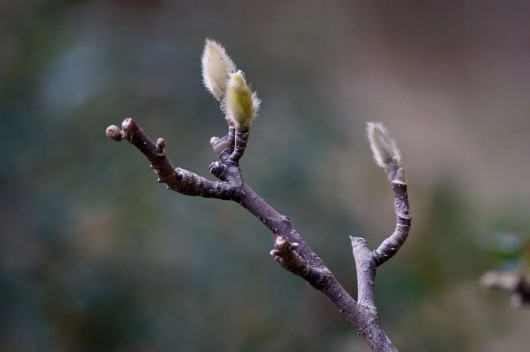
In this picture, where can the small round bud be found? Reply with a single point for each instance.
(113, 132)
(160, 144)
(213, 141)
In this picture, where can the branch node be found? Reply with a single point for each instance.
(281, 244)
(286, 255)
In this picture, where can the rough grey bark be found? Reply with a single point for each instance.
(290, 250)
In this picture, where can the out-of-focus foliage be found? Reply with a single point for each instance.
(96, 256)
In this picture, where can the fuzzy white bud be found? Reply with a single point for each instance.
(384, 148)
(241, 104)
(216, 68)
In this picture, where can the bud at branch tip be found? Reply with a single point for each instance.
(114, 132)
(384, 148)
(216, 67)
(241, 103)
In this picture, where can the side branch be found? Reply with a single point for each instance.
(176, 179)
(367, 261)
(366, 270)
(393, 243)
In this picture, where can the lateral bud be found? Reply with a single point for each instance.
(160, 145)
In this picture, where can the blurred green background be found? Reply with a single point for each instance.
(96, 256)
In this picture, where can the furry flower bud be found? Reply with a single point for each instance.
(216, 68)
(241, 103)
(383, 147)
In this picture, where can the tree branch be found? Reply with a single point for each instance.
(513, 282)
(393, 243)
(176, 179)
(290, 251)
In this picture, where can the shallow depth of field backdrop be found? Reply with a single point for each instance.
(96, 256)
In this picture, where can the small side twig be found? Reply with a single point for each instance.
(387, 156)
(176, 179)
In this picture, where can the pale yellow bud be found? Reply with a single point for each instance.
(383, 147)
(216, 68)
(241, 104)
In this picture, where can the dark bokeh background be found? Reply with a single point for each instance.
(96, 256)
